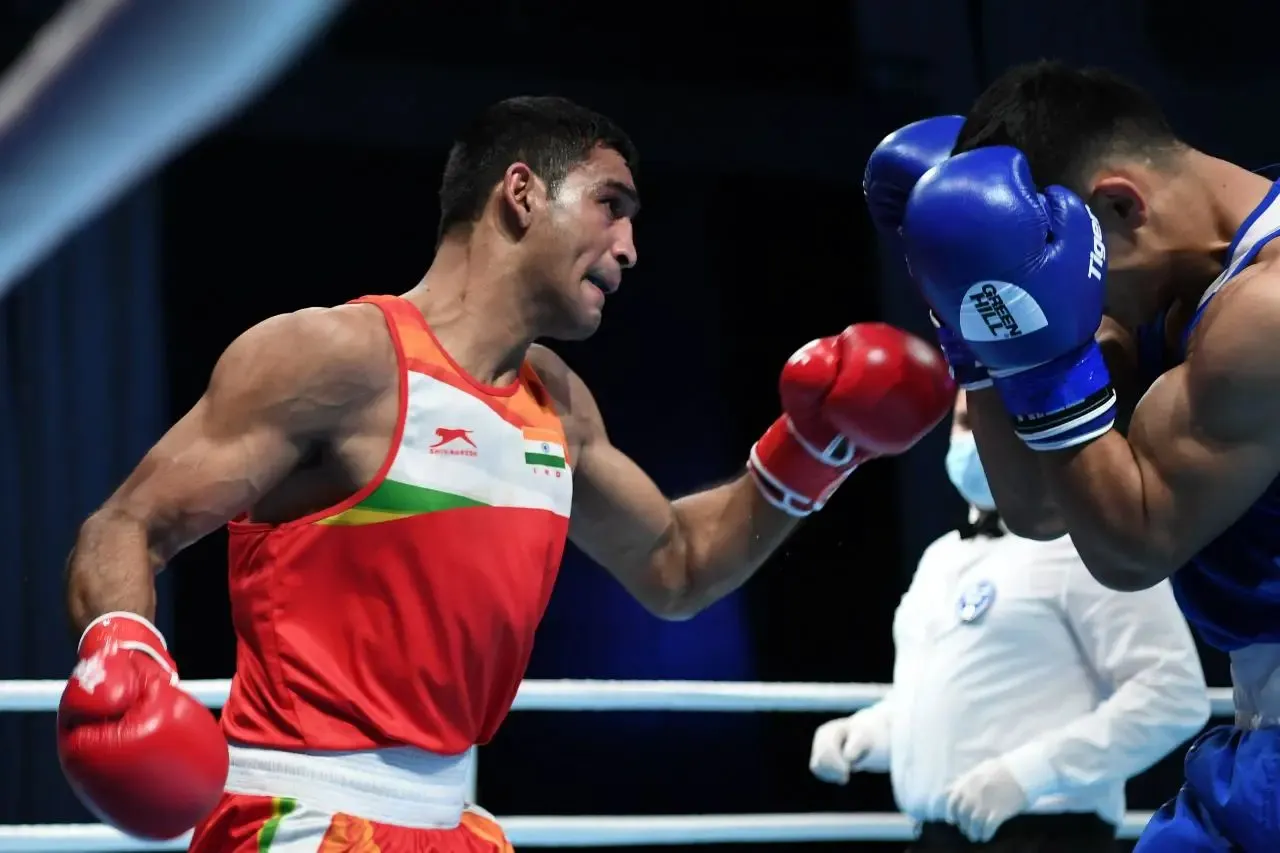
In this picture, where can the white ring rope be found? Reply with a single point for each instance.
(590, 695)
(574, 831)
(569, 831)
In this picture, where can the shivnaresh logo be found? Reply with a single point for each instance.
(452, 441)
(997, 310)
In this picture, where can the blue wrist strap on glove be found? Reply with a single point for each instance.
(1061, 403)
(966, 370)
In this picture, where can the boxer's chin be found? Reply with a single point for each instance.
(580, 316)
(583, 326)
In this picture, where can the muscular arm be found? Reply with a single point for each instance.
(278, 388)
(1019, 483)
(675, 557)
(1204, 443)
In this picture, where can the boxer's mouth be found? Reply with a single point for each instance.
(605, 285)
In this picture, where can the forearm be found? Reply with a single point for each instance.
(723, 535)
(1019, 484)
(111, 568)
(1100, 490)
(878, 720)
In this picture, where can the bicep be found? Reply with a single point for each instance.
(620, 518)
(1206, 448)
(277, 389)
(210, 466)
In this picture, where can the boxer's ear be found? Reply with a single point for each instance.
(1118, 202)
(519, 191)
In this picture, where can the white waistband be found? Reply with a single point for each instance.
(401, 786)
(1255, 677)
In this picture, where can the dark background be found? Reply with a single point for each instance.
(754, 124)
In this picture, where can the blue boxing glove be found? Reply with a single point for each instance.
(892, 171)
(1019, 274)
(897, 163)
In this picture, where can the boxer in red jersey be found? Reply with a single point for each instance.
(401, 475)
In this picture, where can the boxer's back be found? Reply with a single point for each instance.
(1230, 590)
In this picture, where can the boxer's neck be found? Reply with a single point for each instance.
(472, 301)
(1212, 198)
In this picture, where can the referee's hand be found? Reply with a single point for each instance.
(838, 747)
(984, 798)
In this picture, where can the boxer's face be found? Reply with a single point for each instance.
(1148, 215)
(1137, 212)
(1134, 277)
(583, 243)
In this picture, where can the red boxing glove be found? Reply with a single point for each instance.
(140, 753)
(873, 390)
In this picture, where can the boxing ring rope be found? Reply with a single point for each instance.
(593, 695)
(567, 831)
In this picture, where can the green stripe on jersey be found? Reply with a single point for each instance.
(546, 460)
(404, 498)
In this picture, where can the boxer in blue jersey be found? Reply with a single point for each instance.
(1111, 296)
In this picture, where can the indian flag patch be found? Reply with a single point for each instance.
(543, 450)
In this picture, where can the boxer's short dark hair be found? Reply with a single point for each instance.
(550, 134)
(1066, 120)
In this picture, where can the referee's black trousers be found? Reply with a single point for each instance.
(1028, 833)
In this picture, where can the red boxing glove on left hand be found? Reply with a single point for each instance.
(873, 390)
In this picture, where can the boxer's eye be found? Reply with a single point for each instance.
(614, 206)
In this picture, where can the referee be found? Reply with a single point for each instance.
(1024, 692)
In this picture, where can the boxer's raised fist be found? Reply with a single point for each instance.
(898, 162)
(872, 390)
(1019, 272)
(140, 753)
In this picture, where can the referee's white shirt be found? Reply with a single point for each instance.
(1007, 647)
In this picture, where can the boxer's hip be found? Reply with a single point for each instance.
(1255, 679)
(1231, 797)
(246, 823)
(399, 800)
(402, 786)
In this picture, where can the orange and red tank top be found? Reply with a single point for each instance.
(406, 614)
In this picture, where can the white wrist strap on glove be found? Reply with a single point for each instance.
(159, 656)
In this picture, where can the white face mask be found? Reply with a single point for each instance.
(965, 470)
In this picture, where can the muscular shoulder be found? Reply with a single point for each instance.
(307, 361)
(573, 400)
(1234, 358)
(1240, 328)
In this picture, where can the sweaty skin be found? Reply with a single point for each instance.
(299, 413)
(1018, 482)
(1202, 445)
